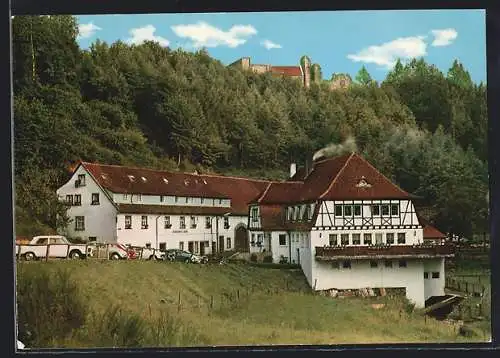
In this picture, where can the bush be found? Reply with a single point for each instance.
(253, 257)
(49, 307)
(268, 259)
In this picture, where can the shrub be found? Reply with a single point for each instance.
(268, 259)
(253, 257)
(49, 307)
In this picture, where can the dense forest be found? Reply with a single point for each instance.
(151, 106)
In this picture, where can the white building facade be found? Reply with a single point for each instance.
(349, 228)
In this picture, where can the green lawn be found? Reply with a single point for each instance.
(234, 304)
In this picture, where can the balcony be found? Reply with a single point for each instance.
(390, 252)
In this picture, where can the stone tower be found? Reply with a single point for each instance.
(305, 64)
(316, 75)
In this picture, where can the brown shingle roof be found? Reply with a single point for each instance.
(116, 179)
(293, 71)
(271, 217)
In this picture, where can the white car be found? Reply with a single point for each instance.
(56, 246)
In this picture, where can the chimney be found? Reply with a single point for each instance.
(293, 169)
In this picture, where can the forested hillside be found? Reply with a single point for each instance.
(151, 106)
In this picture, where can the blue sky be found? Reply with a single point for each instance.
(341, 42)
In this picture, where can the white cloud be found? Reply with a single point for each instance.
(387, 53)
(146, 33)
(204, 35)
(270, 45)
(87, 30)
(443, 37)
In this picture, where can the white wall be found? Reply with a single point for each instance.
(170, 200)
(434, 286)
(137, 236)
(99, 219)
(361, 275)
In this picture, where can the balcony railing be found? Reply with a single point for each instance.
(396, 251)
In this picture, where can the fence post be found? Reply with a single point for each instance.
(238, 294)
(179, 303)
(47, 252)
(211, 302)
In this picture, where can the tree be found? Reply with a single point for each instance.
(363, 77)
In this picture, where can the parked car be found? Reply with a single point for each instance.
(114, 251)
(147, 253)
(184, 256)
(57, 245)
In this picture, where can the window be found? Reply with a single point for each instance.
(208, 222)
(402, 263)
(81, 179)
(394, 210)
(167, 222)
(385, 209)
(338, 210)
(373, 264)
(176, 199)
(78, 200)
(161, 198)
(144, 222)
(220, 201)
(193, 222)
(254, 214)
(163, 246)
(202, 200)
(346, 264)
(148, 245)
(128, 222)
(389, 238)
(182, 222)
(226, 222)
(125, 196)
(95, 199)
(348, 210)
(378, 238)
(367, 239)
(344, 239)
(228, 243)
(356, 239)
(426, 275)
(297, 212)
(181, 245)
(187, 200)
(332, 239)
(311, 211)
(139, 197)
(69, 199)
(260, 238)
(376, 210)
(42, 241)
(335, 265)
(435, 275)
(79, 223)
(92, 238)
(388, 263)
(357, 210)
(401, 238)
(282, 240)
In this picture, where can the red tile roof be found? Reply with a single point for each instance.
(430, 232)
(336, 179)
(271, 217)
(293, 71)
(115, 179)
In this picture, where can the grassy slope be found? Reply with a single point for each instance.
(275, 306)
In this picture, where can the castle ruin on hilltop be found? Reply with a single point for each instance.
(306, 72)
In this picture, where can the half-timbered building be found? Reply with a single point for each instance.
(349, 227)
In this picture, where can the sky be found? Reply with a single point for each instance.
(339, 41)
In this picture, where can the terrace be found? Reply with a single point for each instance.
(327, 253)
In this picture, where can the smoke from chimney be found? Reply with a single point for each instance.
(335, 150)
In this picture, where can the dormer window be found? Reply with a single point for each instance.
(131, 178)
(363, 183)
(186, 182)
(144, 179)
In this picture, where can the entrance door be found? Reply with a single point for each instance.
(191, 247)
(203, 244)
(214, 247)
(241, 239)
(221, 243)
